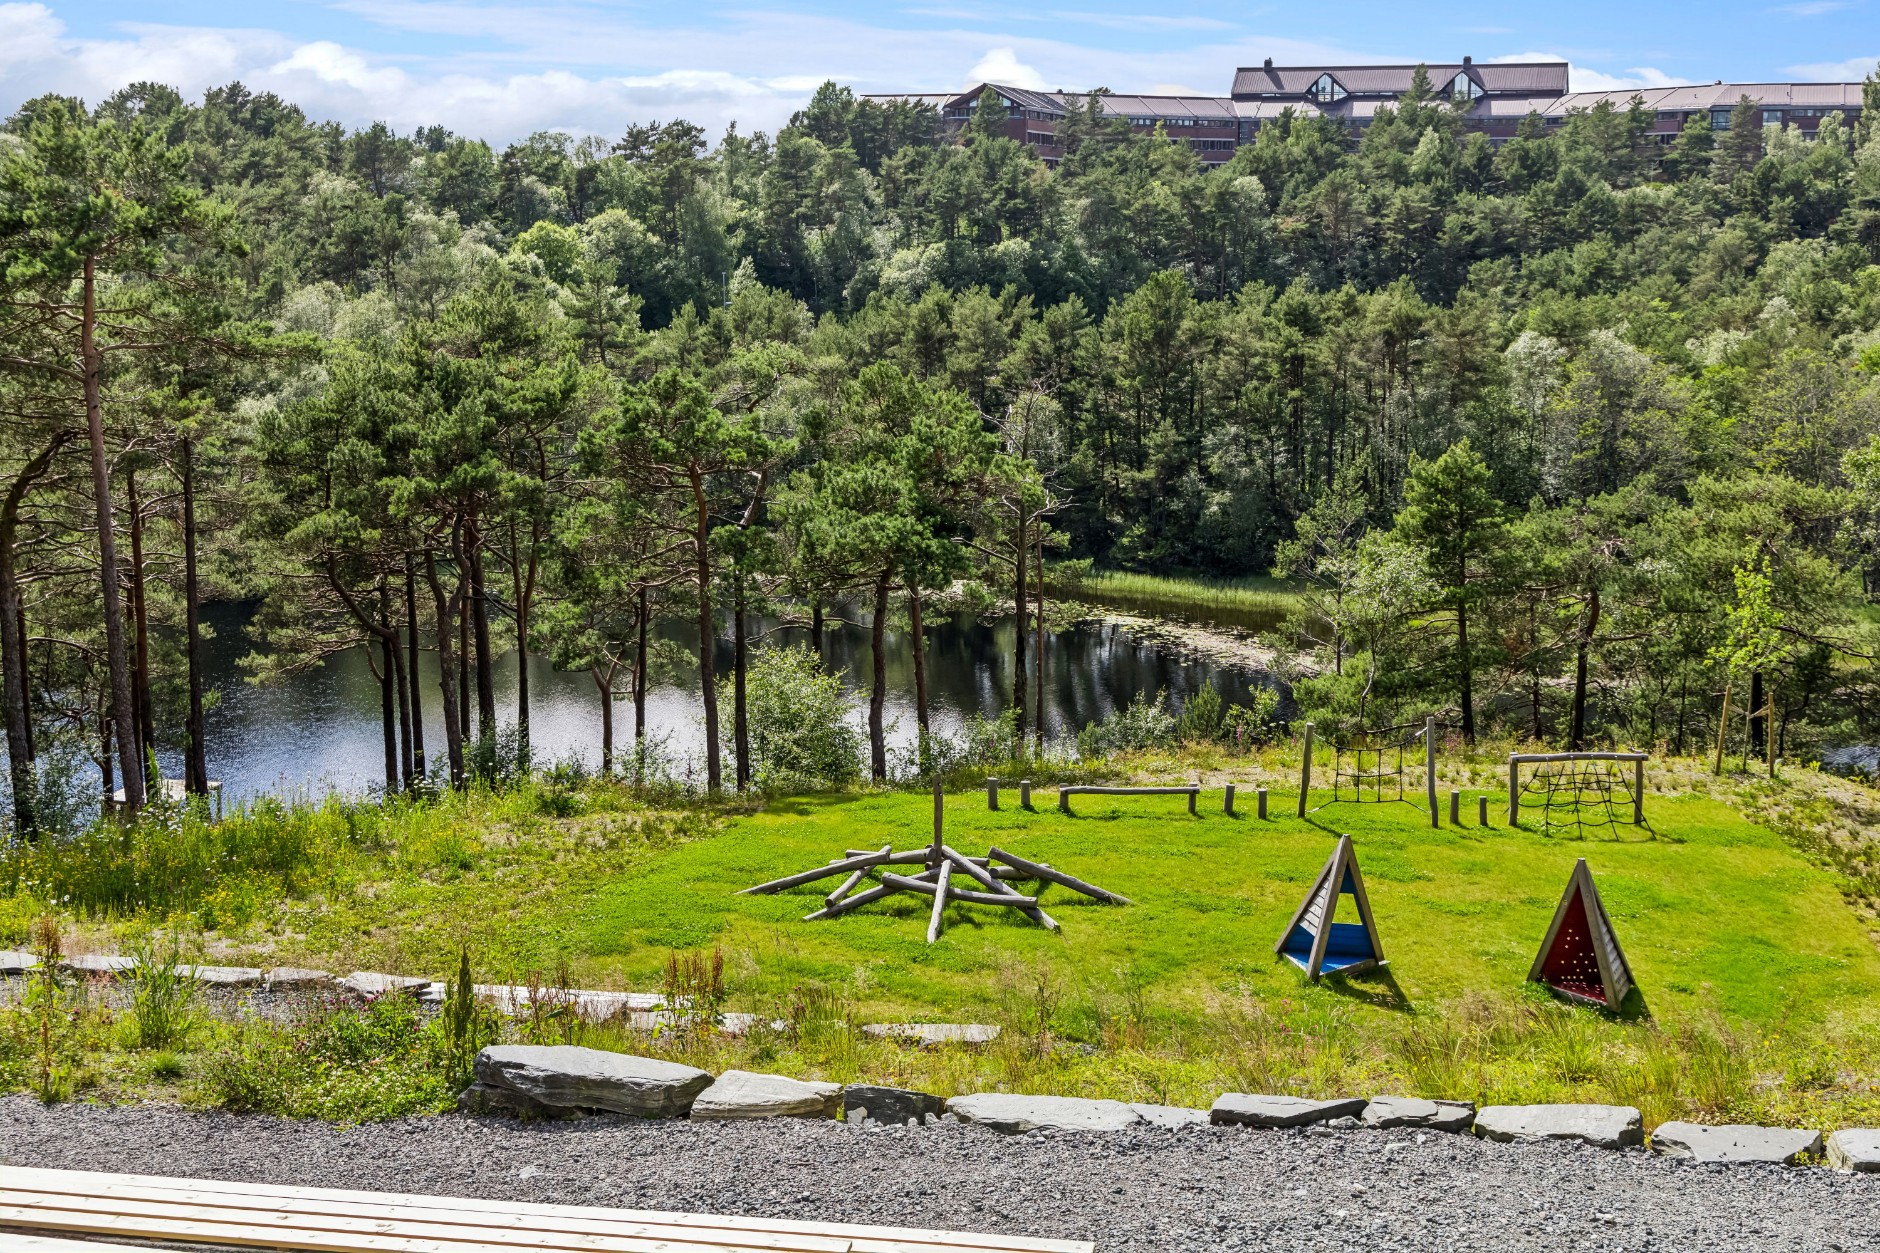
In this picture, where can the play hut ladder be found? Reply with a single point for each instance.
(1580, 959)
(1318, 945)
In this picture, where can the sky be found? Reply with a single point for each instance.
(503, 69)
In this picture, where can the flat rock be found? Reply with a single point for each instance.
(933, 1032)
(594, 1006)
(1014, 1114)
(100, 964)
(223, 976)
(564, 1075)
(890, 1105)
(1241, 1109)
(1699, 1143)
(1602, 1126)
(372, 983)
(490, 1098)
(1170, 1115)
(1855, 1148)
(296, 977)
(13, 962)
(1414, 1111)
(739, 1094)
(738, 1025)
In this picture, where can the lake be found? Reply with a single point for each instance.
(319, 729)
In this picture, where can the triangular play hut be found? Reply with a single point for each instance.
(1320, 946)
(1580, 959)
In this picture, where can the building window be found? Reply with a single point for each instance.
(1720, 119)
(1462, 87)
(1040, 137)
(1772, 117)
(1326, 90)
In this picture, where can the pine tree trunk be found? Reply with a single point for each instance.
(1037, 708)
(878, 692)
(448, 672)
(1021, 548)
(388, 709)
(15, 677)
(1466, 668)
(816, 628)
(117, 655)
(140, 644)
(604, 680)
(1588, 627)
(196, 748)
(401, 682)
(480, 626)
(707, 636)
(740, 714)
(1758, 721)
(412, 671)
(462, 627)
(522, 581)
(918, 628)
(639, 677)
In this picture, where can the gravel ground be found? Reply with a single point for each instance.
(1143, 1191)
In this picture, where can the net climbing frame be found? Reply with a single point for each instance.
(1375, 760)
(1578, 792)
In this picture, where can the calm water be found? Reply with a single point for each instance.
(320, 728)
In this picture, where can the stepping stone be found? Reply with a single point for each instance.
(296, 977)
(740, 1094)
(372, 983)
(101, 964)
(1602, 1126)
(1414, 1111)
(223, 976)
(889, 1105)
(1700, 1143)
(13, 962)
(933, 1032)
(1855, 1148)
(566, 1076)
(1240, 1109)
(1170, 1115)
(1014, 1114)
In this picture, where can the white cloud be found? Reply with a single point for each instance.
(332, 65)
(1001, 65)
(1852, 70)
(1580, 78)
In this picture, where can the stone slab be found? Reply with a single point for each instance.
(744, 1094)
(1243, 1109)
(1170, 1115)
(101, 964)
(491, 1098)
(567, 1076)
(373, 983)
(1602, 1126)
(594, 1006)
(933, 1032)
(1415, 1111)
(1014, 1114)
(296, 977)
(890, 1105)
(1697, 1142)
(1855, 1148)
(224, 976)
(13, 962)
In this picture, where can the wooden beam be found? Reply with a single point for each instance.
(849, 884)
(937, 919)
(1305, 769)
(990, 878)
(847, 864)
(931, 887)
(1038, 870)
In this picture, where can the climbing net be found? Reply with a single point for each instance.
(1368, 766)
(1582, 794)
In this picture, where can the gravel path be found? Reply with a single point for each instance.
(1143, 1191)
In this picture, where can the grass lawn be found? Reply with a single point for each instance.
(1713, 912)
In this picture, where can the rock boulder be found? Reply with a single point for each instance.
(1242, 1109)
(1856, 1148)
(1414, 1111)
(1015, 1114)
(890, 1105)
(1781, 1146)
(740, 1094)
(568, 1077)
(1602, 1126)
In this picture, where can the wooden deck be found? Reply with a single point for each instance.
(61, 1208)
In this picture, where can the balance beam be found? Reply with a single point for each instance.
(1190, 790)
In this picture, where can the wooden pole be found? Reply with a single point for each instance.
(849, 884)
(1514, 790)
(1429, 767)
(992, 792)
(1191, 798)
(937, 918)
(1262, 795)
(1305, 770)
(939, 821)
(1227, 806)
(1024, 794)
(1038, 870)
(1064, 799)
(1638, 792)
(1481, 811)
(1455, 808)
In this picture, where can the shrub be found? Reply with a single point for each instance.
(1200, 722)
(1141, 724)
(163, 994)
(801, 737)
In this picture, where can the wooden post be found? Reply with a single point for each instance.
(1227, 806)
(1305, 770)
(1481, 810)
(992, 792)
(1455, 808)
(1024, 794)
(935, 919)
(1429, 767)
(1514, 791)
(939, 821)
(1191, 798)
(1638, 791)
(1262, 795)
(1064, 799)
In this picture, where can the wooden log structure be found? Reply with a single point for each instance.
(992, 792)
(989, 876)
(1190, 790)
(60, 1207)
(1455, 808)
(861, 862)
(931, 887)
(1038, 870)
(854, 880)
(1481, 811)
(1227, 804)
(1024, 793)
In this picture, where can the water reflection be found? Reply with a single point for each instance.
(319, 728)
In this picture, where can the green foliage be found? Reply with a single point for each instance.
(163, 992)
(802, 738)
(1143, 723)
(1201, 716)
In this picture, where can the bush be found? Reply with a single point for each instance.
(801, 737)
(1201, 717)
(163, 994)
(1141, 724)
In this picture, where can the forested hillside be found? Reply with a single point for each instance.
(1580, 437)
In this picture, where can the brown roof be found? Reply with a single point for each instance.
(1699, 97)
(1540, 78)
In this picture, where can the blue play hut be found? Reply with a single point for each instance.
(1316, 943)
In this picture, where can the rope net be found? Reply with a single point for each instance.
(1368, 766)
(1581, 795)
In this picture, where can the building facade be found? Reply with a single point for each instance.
(1495, 96)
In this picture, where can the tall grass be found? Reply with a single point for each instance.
(1255, 603)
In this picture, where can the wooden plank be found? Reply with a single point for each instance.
(1092, 789)
(52, 1244)
(82, 1181)
(1039, 870)
(1578, 756)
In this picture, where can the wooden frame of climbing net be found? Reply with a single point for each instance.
(1601, 788)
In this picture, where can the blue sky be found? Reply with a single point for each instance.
(501, 69)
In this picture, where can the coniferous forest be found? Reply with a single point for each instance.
(1576, 439)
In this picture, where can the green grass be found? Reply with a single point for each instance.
(1255, 603)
